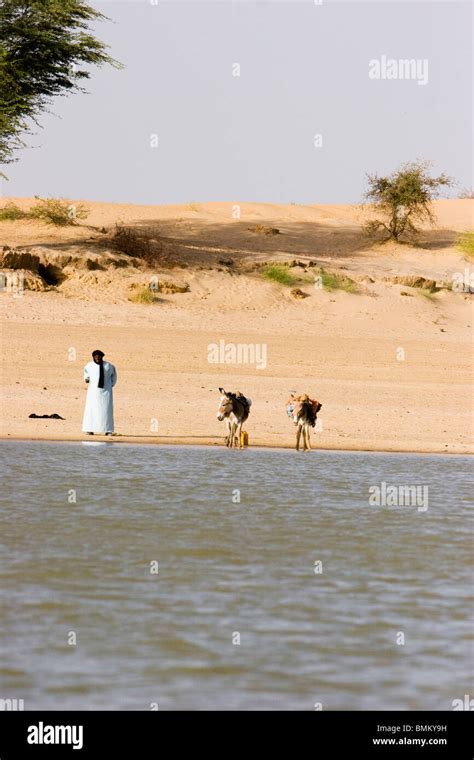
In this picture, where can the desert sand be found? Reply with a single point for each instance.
(391, 363)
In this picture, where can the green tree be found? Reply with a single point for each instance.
(45, 49)
(403, 199)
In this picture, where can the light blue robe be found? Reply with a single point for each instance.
(99, 410)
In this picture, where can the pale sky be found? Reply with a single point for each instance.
(304, 71)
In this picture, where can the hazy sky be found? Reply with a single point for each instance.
(304, 71)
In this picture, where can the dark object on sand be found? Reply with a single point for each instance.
(45, 416)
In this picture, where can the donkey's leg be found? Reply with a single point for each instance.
(308, 433)
(227, 438)
(232, 435)
(238, 434)
(298, 436)
(236, 428)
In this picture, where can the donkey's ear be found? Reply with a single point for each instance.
(221, 390)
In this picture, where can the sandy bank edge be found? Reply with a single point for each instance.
(217, 441)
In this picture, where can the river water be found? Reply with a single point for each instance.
(133, 577)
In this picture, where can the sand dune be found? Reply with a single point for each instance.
(391, 364)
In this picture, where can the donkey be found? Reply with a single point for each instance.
(303, 411)
(234, 408)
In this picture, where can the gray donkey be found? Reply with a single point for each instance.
(234, 408)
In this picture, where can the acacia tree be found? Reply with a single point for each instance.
(44, 47)
(403, 199)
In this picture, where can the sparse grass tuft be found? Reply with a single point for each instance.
(279, 274)
(263, 229)
(426, 293)
(12, 212)
(334, 281)
(58, 212)
(144, 295)
(465, 243)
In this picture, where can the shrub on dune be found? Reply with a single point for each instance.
(12, 212)
(58, 212)
(403, 199)
(129, 241)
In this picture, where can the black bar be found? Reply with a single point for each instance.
(292, 734)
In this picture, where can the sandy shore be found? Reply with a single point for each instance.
(391, 364)
(186, 442)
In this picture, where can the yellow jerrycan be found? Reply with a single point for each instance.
(244, 438)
